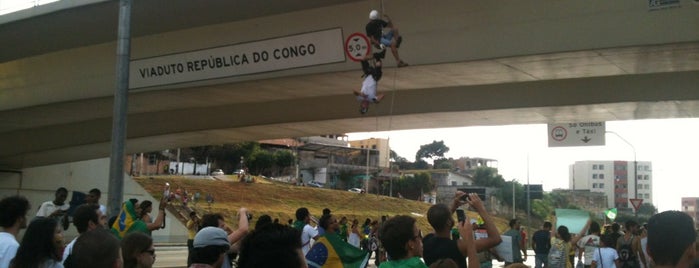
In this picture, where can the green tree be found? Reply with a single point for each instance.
(432, 150)
(260, 162)
(488, 177)
(411, 187)
(647, 209)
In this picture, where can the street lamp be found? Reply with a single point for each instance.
(635, 169)
(514, 215)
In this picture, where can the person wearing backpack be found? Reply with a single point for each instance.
(629, 247)
(561, 244)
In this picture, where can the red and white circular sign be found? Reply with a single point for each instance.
(559, 133)
(357, 46)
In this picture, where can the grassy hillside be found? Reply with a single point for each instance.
(281, 200)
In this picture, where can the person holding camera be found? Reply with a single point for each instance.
(234, 236)
(439, 245)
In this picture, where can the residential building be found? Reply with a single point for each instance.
(381, 145)
(690, 205)
(614, 179)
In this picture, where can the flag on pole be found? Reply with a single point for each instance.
(610, 213)
(330, 251)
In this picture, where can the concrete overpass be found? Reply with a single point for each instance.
(472, 63)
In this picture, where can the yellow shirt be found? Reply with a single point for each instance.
(191, 229)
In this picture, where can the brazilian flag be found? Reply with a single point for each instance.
(127, 221)
(330, 251)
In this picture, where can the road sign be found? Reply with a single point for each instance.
(576, 134)
(357, 46)
(636, 202)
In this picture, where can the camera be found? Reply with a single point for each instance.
(249, 216)
(465, 197)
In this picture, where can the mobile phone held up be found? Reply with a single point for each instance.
(460, 215)
(465, 197)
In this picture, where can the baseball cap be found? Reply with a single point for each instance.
(211, 236)
(373, 15)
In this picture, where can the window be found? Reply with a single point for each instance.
(647, 187)
(647, 196)
(594, 185)
(601, 185)
(453, 183)
(645, 177)
(594, 176)
(601, 176)
(601, 167)
(594, 167)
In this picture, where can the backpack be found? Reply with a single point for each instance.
(558, 256)
(626, 254)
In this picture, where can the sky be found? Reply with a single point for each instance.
(672, 145)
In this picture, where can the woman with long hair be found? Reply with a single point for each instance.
(42, 245)
(145, 208)
(561, 244)
(138, 251)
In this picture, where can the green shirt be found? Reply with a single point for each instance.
(516, 240)
(414, 262)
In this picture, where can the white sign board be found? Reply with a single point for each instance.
(275, 54)
(504, 249)
(576, 134)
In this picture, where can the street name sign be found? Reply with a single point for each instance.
(576, 134)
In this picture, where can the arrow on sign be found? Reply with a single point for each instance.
(586, 139)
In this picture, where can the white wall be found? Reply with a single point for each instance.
(39, 184)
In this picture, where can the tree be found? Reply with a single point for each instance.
(488, 177)
(647, 209)
(432, 150)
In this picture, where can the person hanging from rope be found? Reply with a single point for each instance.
(368, 93)
(382, 34)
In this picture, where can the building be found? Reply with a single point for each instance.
(690, 205)
(381, 145)
(614, 179)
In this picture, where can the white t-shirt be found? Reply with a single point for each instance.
(49, 207)
(607, 257)
(590, 243)
(68, 250)
(8, 248)
(103, 209)
(308, 233)
(368, 89)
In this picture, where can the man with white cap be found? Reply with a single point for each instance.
(379, 38)
(210, 246)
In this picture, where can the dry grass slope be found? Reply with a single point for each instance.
(281, 200)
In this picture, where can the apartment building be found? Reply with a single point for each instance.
(614, 179)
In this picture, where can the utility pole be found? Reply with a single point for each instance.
(119, 115)
(514, 215)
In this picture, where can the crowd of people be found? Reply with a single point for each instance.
(667, 240)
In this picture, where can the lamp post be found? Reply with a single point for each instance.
(635, 169)
(514, 215)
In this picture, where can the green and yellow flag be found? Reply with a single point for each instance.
(610, 213)
(128, 222)
(330, 251)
